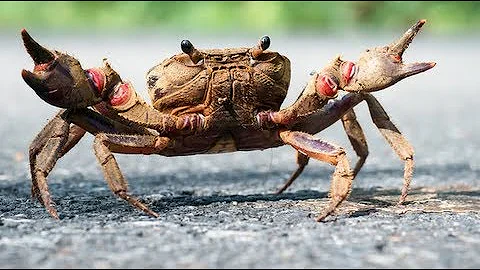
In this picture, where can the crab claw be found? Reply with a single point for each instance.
(381, 67)
(59, 79)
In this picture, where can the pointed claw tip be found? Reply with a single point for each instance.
(422, 22)
(429, 65)
(39, 54)
(26, 74)
(25, 35)
(416, 68)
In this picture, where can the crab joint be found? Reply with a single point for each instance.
(97, 77)
(262, 45)
(326, 85)
(348, 71)
(193, 53)
(123, 96)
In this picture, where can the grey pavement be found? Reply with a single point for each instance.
(220, 211)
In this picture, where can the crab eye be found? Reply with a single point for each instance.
(265, 42)
(187, 46)
(96, 77)
(348, 71)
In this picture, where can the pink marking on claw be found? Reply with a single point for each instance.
(348, 71)
(97, 77)
(120, 95)
(326, 86)
(42, 67)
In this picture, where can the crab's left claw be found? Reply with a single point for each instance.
(59, 79)
(382, 67)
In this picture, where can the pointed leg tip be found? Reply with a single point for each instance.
(53, 212)
(422, 22)
(321, 218)
(154, 214)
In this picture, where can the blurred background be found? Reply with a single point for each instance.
(448, 17)
(435, 110)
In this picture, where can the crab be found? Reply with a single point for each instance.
(214, 101)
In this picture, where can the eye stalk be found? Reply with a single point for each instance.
(263, 44)
(188, 48)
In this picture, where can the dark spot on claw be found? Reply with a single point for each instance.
(265, 42)
(397, 58)
(151, 81)
(187, 46)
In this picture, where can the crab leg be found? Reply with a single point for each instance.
(343, 109)
(327, 152)
(389, 131)
(336, 110)
(103, 146)
(396, 140)
(302, 161)
(52, 143)
(108, 141)
(357, 139)
(55, 140)
(43, 153)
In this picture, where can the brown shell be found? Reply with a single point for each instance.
(226, 81)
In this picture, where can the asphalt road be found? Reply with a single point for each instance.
(220, 211)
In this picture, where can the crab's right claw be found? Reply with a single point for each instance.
(381, 67)
(59, 79)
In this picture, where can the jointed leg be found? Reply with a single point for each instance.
(342, 177)
(54, 141)
(344, 108)
(396, 140)
(105, 144)
(75, 134)
(302, 161)
(357, 138)
(334, 111)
